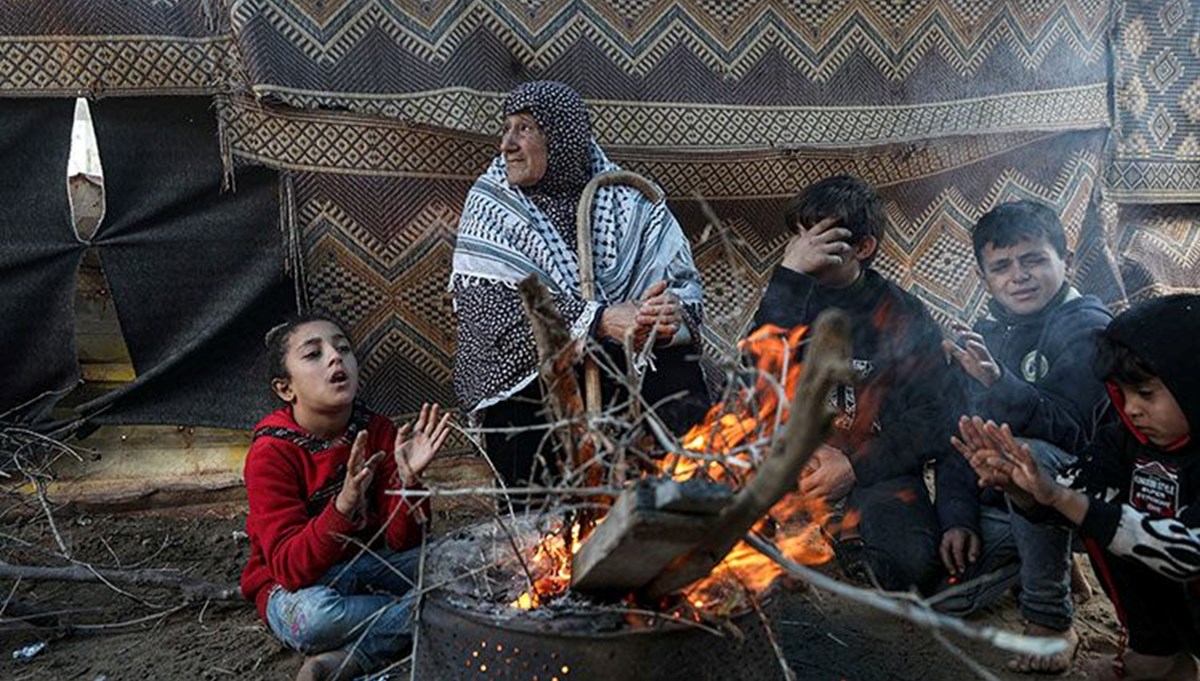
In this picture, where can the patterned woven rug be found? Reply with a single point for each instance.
(380, 113)
(1156, 146)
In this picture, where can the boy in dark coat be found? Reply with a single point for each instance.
(1133, 496)
(1029, 364)
(873, 461)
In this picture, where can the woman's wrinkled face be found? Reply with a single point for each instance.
(523, 145)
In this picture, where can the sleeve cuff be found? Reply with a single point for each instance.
(332, 522)
(1101, 521)
(959, 512)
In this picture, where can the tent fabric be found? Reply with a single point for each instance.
(689, 73)
(195, 274)
(1156, 82)
(379, 114)
(104, 49)
(39, 256)
(1158, 248)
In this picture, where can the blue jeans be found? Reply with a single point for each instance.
(1015, 550)
(363, 606)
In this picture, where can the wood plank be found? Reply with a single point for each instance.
(635, 542)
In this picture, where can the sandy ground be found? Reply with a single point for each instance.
(824, 637)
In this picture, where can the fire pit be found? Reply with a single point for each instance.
(674, 593)
(466, 631)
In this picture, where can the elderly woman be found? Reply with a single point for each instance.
(519, 219)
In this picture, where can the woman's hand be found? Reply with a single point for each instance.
(359, 474)
(660, 313)
(417, 445)
(657, 314)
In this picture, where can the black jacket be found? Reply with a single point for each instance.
(896, 416)
(1046, 391)
(1144, 499)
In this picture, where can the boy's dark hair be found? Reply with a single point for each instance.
(276, 340)
(1011, 223)
(853, 202)
(1117, 362)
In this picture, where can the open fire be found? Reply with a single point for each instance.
(726, 447)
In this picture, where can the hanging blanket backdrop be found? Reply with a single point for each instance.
(371, 118)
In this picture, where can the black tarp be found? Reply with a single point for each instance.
(195, 272)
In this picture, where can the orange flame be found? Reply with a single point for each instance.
(794, 523)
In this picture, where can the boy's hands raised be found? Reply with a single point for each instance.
(417, 445)
(972, 355)
(359, 474)
(1002, 462)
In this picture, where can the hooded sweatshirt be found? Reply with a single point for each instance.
(1143, 498)
(296, 532)
(895, 416)
(1046, 391)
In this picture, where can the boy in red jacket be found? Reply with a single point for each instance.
(327, 569)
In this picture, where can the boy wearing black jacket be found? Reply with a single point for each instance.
(1029, 364)
(1134, 494)
(881, 439)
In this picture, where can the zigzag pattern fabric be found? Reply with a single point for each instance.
(689, 73)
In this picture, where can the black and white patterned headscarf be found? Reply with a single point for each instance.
(508, 232)
(565, 120)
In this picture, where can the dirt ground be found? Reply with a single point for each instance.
(823, 637)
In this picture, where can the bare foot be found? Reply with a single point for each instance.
(1140, 667)
(1081, 588)
(1047, 664)
(335, 665)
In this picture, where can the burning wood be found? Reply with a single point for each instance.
(643, 532)
(658, 538)
(557, 355)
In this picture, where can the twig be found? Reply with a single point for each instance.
(788, 674)
(917, 613)
(418, 601)
(128, 623)
(505, 491)
(188, 585)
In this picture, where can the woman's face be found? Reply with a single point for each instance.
(523, 144)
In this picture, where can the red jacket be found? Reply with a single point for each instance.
(296, 532)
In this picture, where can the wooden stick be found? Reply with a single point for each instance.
(187, 584)
(587, 275)
(826, 364)
(915, 612)
(557, 353)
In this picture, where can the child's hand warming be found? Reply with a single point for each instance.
(1002, 462)
(416, 446)
(360, 471)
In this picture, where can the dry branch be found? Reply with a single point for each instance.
(557, 354)
(186, 584)
(915, 612)
(827, 363)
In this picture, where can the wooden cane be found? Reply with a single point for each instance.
(587, 277)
